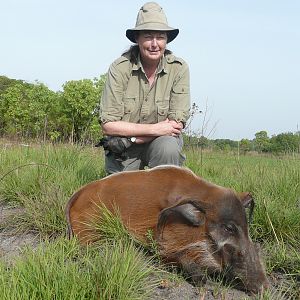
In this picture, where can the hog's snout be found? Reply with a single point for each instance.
(248, 268)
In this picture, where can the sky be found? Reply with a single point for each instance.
(244, 56)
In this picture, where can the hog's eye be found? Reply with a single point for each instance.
(230, 228)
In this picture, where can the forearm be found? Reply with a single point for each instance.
(122, 128)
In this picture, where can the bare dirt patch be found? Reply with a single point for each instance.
(12, 242)
(186, 291)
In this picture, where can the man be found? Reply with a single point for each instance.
(146, 100)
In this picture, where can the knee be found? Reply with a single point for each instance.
(168, 150)
(165, 150)
(167, 145)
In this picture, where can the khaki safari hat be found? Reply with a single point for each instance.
(152, 17)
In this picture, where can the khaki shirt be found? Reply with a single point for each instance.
(128, 96)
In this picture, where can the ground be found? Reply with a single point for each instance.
(12, 242)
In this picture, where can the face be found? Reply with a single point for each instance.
(217, 240)
(152, 45)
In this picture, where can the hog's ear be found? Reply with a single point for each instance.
(189, 210)
(248, 202)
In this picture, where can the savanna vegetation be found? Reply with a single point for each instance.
(41, 178)
(33, 111)
(46, 153)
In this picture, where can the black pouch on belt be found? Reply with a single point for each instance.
(115, 144)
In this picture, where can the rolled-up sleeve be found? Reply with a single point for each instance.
(111, 103)
(180, 96)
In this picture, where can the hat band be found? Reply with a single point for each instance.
(153, 26)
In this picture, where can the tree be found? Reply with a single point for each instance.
(245, 146)
(6, 82)
(33, 111)
(225, 144)
(25, 109)
(285, 143)
(262, 141)
(15, 110)
(80, 100)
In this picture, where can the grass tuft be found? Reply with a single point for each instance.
(68, 271)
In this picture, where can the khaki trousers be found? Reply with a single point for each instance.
(164, 150)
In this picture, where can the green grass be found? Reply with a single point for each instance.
(24, 171)
(41, 179)
(64, 270)
(108, 226)
(273, 182)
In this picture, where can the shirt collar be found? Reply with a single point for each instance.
(161, 66)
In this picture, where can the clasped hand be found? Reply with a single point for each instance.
(168, 127)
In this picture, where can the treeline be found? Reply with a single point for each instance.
(33, 111)
(282, 143)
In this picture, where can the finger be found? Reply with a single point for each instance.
(177, 125)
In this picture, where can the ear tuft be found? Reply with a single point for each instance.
(248, 202)
(246, 198)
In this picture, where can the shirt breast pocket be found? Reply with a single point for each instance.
(181, 89)
(129, 105)
(162, 109)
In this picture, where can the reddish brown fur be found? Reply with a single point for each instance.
(190, 234)
(139, 195)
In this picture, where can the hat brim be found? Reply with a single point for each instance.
(171, 32)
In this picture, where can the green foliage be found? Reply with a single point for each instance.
(6, 82)
(37, 178)
(245, 146)
(108, 226)
(62, 270)
(225, 144)
(273, 182)
(192, 141)
(44, 211)
(285, 143)
(262, 142)
(123, 273)
(79, 103)
(42, 179)
(34, 111)
(26, 110)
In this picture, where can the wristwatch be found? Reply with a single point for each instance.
(133, 139)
